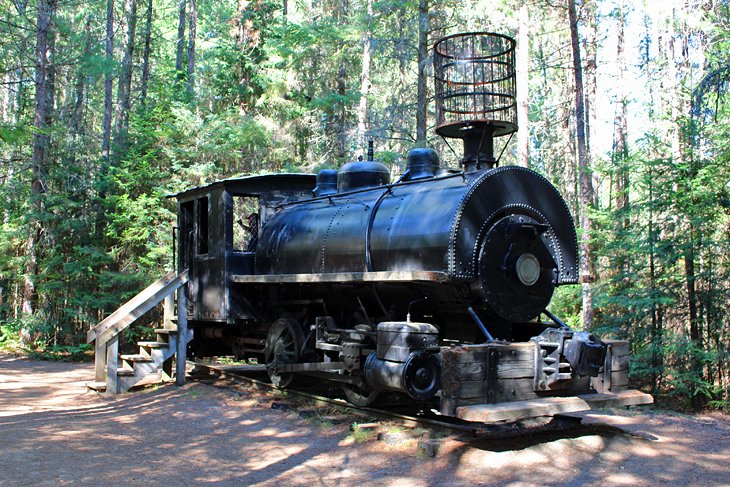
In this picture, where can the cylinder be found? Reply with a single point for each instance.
(397, 339)
(419, 376)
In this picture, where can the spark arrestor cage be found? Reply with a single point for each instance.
(475, 93)
(475, 85)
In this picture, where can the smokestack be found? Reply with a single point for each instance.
(476, 98)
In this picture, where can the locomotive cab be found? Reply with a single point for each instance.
(218, 231)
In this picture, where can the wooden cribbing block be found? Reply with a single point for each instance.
(518, 410)
(630, 397)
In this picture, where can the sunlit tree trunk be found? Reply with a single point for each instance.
(180, 51)
(621, 150)
(422, 84)
(523, 82)
(342, 15)
(591, 50)
(80, 87)
(108, 80)
(146, 55)
(362, 110)
(191, 44)
(342, 115)
(124, 86)
(584, 172)
(44, 78)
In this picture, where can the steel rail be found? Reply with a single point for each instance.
(236, 374)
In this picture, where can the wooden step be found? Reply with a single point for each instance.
(125, 372)
(97, 386)
(163, 331)
(136, 358)
(153, 344)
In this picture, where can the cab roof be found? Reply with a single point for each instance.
(257, 185)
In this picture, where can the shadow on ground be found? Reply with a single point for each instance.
(54, 431)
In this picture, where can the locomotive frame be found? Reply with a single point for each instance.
(354, 326)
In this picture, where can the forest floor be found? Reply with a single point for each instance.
(53, 431)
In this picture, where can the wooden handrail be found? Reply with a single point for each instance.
(136, 307)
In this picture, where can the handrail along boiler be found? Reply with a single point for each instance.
(430, 286)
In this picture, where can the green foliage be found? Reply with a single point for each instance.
(9, 337)
(566, 304)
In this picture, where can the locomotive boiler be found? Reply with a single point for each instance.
(432, 285)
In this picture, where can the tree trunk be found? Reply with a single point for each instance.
(422, 84)
(80, 86)
(621, 151)
(523, 88)
(586, 185)
(109, 56)
(362, 111)
(124, 86)
(342, 115)
(146, 55)
(656, 324)
(180, 55)
(44, 78)
(591, 49)
(590, 69)
(191, 44)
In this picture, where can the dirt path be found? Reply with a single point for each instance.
(55, 432)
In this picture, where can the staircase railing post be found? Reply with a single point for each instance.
(182, 335)
(168, 311)
(100, 361)
(112, 352)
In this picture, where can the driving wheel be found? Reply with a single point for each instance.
(283, 346)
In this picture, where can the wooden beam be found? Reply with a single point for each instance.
(137, 306)
(168, 312)
(518, 410)
(100, 362)
(112, 352)
(629, 397)
(127, 307)
(182, 336)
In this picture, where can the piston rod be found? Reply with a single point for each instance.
(479, 323)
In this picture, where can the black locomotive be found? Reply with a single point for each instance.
(432, 285)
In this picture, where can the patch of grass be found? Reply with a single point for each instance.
(229, 360)
(359, 434)
(196, 393)
(394, 428)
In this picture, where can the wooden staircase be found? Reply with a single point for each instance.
(116, 373)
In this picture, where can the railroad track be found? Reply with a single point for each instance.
(407, 415)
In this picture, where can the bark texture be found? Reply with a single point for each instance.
(422, 85)
(584, 172)
(124, 86)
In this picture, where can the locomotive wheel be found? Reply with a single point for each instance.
(283, 346)
(359, 396)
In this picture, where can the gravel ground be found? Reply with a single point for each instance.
(53, 431)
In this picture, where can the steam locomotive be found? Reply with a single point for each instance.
(435, 285)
